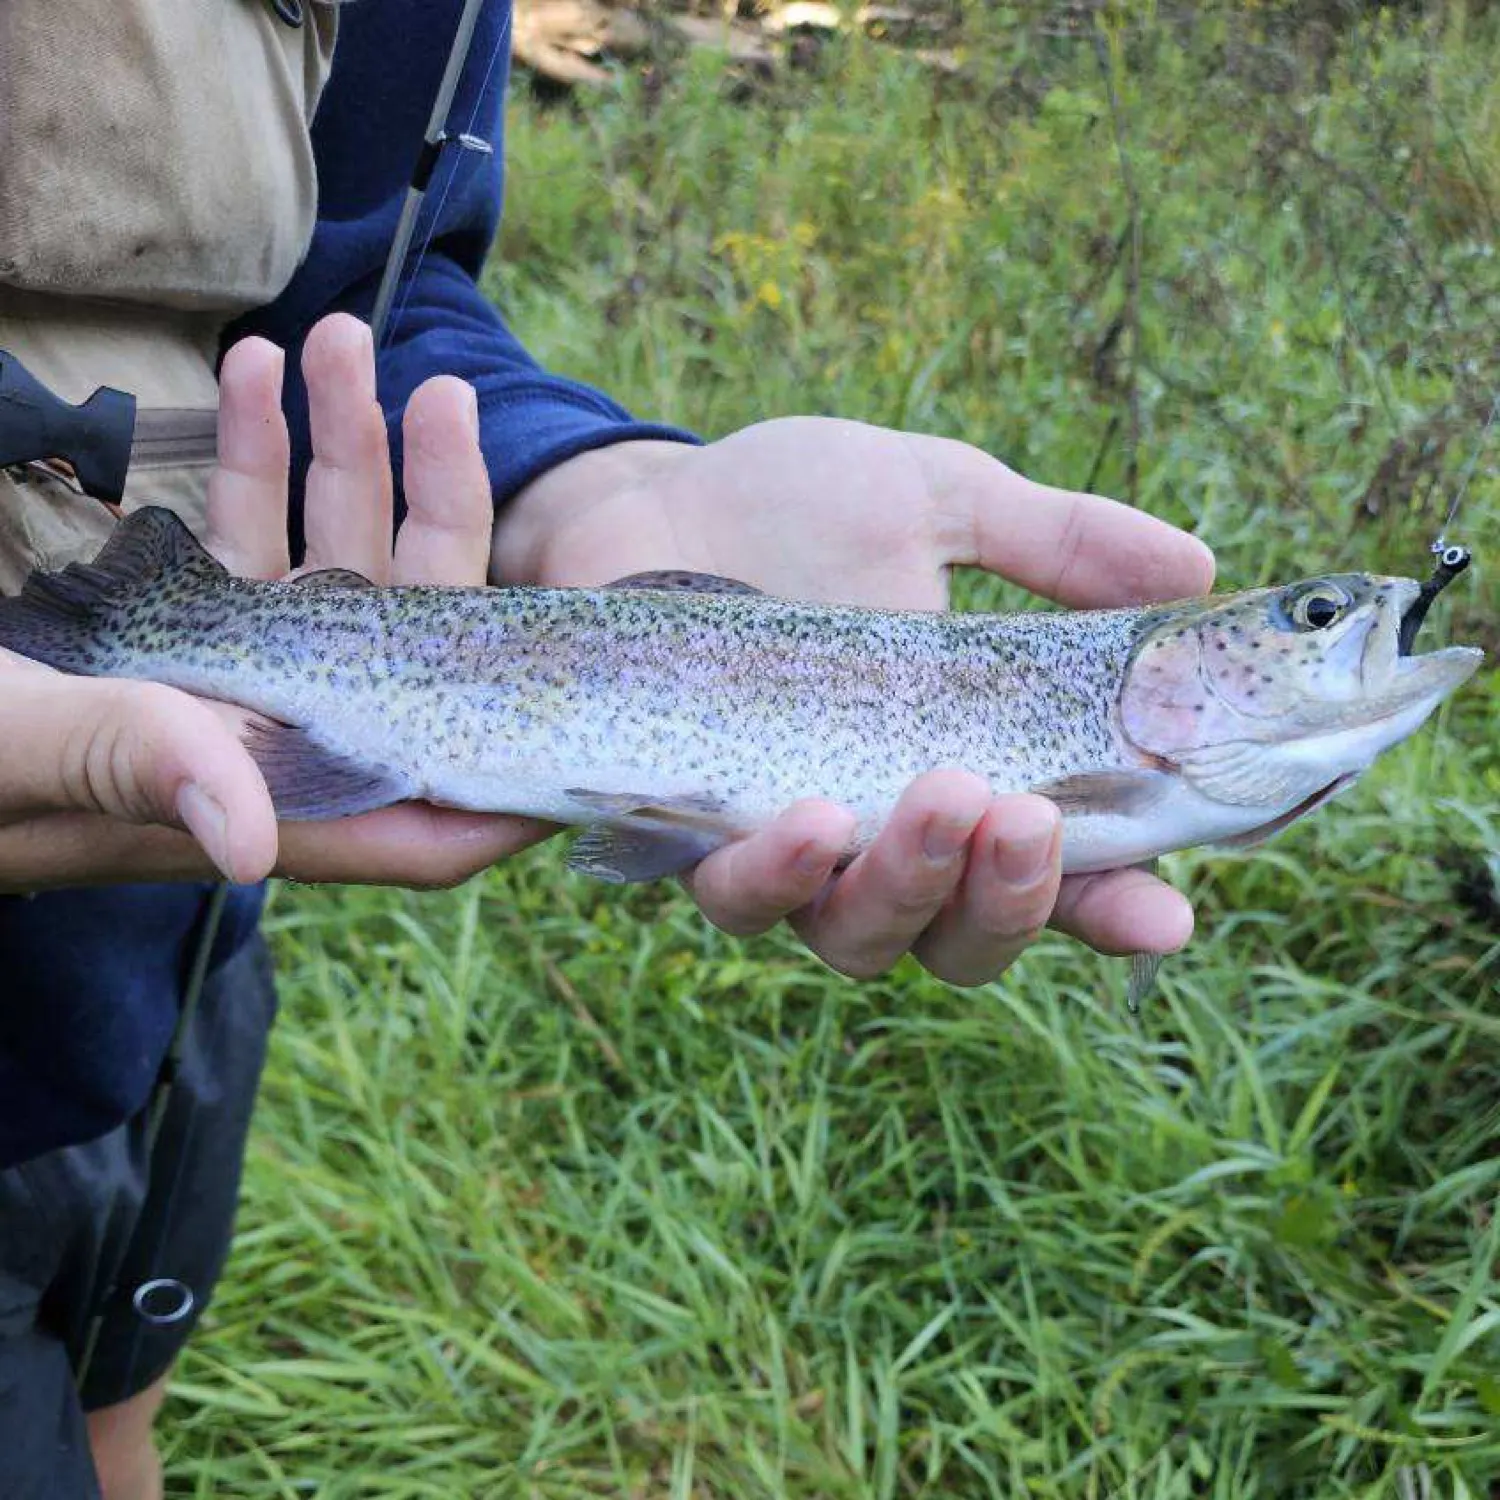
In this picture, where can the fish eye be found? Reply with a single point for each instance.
(1318, 606)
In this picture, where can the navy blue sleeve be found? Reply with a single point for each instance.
(367, 136)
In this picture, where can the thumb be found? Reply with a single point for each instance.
(135, 751)
(1083, 550)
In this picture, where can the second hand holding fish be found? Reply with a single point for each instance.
(837, 511)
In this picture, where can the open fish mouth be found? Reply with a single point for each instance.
(1399, 679)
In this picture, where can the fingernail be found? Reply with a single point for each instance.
(1177, 929)
(944, 838)
(206, 821)
(473, 411)
(1023, 852)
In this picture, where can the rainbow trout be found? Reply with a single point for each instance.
(674, 712)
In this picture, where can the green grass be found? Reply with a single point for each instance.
(557, 1192)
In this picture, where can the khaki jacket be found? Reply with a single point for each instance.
(156, 181)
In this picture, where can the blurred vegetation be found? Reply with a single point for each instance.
(557, 1192)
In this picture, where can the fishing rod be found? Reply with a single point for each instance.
(435, 139)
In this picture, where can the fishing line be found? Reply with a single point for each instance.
(1451, 558)
(1441, 543)
(384, 318)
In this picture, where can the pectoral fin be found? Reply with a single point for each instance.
(309, 783)
(1125, 794)
(1144, 967)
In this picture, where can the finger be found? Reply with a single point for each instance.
(450, 512)
(347, 519)
(139, 752)
(246, 521)
(1007, 894)
(749, 886)
(1079, 549)
(413, 844)
(65, 849)
(1124, 911)
(883, 902)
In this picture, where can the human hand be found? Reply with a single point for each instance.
(822, 509)
(91, 761)
(113, 772)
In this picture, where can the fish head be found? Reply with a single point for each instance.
(1276, 696)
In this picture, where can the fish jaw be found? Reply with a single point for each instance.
(1416, 687)
(1265, 710)
(1399, 693)
(1401, 679)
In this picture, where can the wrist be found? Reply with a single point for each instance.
(527, 527)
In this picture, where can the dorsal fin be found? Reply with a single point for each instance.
(333, 578)
(684, 578)
(149, 544)
(65, 619)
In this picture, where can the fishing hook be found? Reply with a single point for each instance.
(1451, 561)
